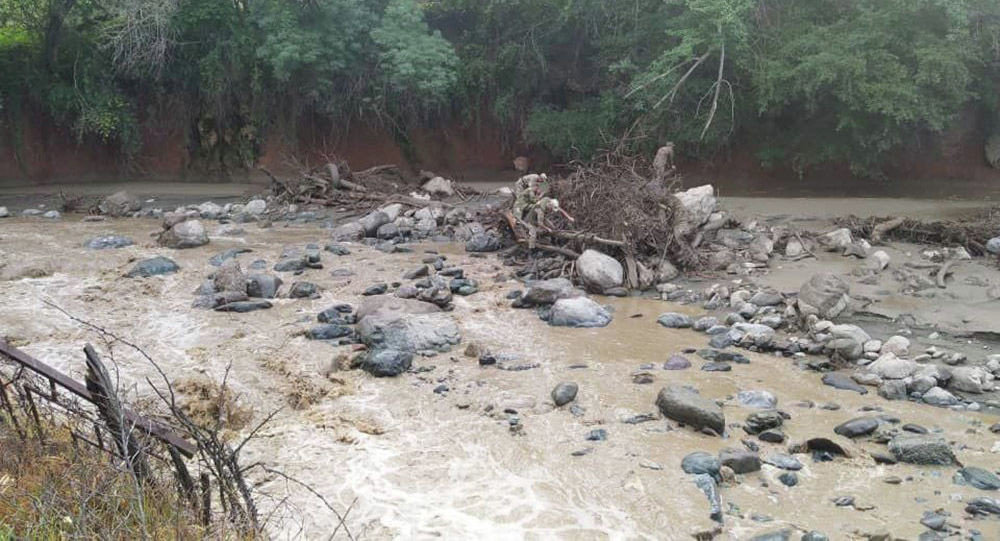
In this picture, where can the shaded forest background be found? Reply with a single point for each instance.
(210, 89)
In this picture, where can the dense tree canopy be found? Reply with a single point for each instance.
(805, 81)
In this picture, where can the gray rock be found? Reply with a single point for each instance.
(303, 290)
(993, 245)
(255, 207)
(889, 366)
(187, 234)
(783, 461)
(755, 334)
(263, 286)
(243, 306)
(843, 382)
(599, 271)
(700, 462)
(698, 205)
(218, 259)
(760, 421)
(155, 266)
(673, 320)
(897, 345)
(337, 249)
(740, 461)
(411, 333)
(705, 323)
(387, 231)
(564, 393)
(677, 362)
(384, 363)
(120, 204)
(857, 427)
(372, 221)
(824, 295)
(921, 449)
(4, 213)
(781, 535)
(483, 242)
(384, 307)
(983, 506)
(52, 215)
(579, 312)
(815, 536)
(376, 289)
(979, 478)
(546, 292)
(757, 399)
(328, 332)
(893, 389)
(686, 406)
(939, 397)
(230, 277)
(109, 242)
(351, 231)
(969, 379)
(766, 298)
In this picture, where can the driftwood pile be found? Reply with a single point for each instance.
(971, 232)
(619, 206)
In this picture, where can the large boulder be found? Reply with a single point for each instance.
(579, 312)
(409, 333)
(351, 231)
(697, 205)
(921, 449)
(186, 234)
(970, 379)
(386, 363)
(545, 292)
(230, 277)
(372, 221)
(263, 286)
(120, 204)
(599, 272)
(483, 242)
(686, 406)
(889, 366)
(824, 295)
(385, 306)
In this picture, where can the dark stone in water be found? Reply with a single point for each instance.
(516, 294)
(109, 242)
(700, 462)
(303, 290)
(153, 267)
(383, 363)
(979, 478)
(598, 434)
(441, 389)
(639, 418)
(377, 289)
(716, 367)
(218, 259)
(854, 428)
(337, 249)
(487, 359)
(772, 436)
(783, 535)
(983, 506)
(331, 315)
(759, 421)
(723, 356)
(244, 306)
(783, 461)
(677, 362)
(843, 382)
(564, 393)
(328, 332)
(916, 429)
(789, 479)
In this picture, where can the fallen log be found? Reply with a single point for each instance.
(883, 228)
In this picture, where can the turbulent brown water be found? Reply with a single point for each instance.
(416, 464)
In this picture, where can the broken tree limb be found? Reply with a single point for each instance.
(554, 249)
(880, 230)
(342, 183)
(943, 273)
(585, 237)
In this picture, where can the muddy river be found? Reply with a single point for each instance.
(412, 463)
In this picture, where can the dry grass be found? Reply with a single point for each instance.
(53, 488)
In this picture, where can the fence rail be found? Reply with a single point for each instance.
(59, 379)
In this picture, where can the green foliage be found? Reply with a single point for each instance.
(578, 132)
(801, 82)
(413, 60)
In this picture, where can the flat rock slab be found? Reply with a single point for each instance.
(686, 406)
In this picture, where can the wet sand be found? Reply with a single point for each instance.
(416, 464)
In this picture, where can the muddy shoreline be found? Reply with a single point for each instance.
(418, 461)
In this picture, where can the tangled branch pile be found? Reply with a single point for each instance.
(620, 205)
(971, 232)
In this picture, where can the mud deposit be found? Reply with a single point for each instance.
(414, 463)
